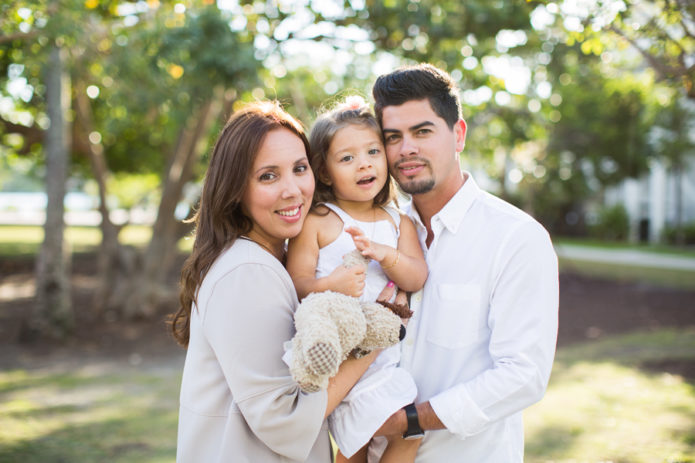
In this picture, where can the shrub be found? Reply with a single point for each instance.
(670, 234)
(612, 224)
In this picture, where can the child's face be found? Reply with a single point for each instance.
(356, 164)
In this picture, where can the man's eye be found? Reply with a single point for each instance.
(423, 131)
(391, 138)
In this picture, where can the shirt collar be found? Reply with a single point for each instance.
(451, 215)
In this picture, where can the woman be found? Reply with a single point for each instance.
(238, 400)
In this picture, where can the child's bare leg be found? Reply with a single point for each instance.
(359, 457)
(400, 450)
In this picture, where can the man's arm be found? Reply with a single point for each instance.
(397, 424)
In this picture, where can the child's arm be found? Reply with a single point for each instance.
(406, 265)
(302, 258)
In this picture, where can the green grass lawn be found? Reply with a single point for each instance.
(672, 278)
(91, 413)
(26, 240)
(604, 403)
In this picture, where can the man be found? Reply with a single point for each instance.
(481, 343)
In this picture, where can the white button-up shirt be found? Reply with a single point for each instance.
(481, 343)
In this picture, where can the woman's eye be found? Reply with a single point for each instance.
(267, 177)
(301, 168)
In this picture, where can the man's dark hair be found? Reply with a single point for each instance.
(419, 82)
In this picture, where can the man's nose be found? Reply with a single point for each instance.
(408, 147)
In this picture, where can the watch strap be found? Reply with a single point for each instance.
(414, 429)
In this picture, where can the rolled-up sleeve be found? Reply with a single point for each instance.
(522, 319)
(247, 318)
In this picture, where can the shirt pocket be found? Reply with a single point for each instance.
(455, 320)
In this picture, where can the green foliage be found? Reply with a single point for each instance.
(612, 224)
(661, 31)
(687, 230)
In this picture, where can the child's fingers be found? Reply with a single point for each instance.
(354, 231)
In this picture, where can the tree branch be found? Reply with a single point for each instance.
(32, 134)
(18, 36)
(663, 69)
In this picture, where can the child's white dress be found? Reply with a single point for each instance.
(384, 388)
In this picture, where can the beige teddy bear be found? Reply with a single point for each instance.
(330, 326)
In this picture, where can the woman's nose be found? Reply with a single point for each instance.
(291, 188)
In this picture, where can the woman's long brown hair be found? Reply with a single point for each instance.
(220, 219)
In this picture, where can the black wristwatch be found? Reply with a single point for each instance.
(414, 430)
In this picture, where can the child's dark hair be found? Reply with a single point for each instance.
(352, 111)
(419, 82)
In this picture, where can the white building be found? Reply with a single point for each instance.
(652, 201)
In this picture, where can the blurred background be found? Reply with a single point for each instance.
(580, 112)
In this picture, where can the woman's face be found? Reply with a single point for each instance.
(280, 188)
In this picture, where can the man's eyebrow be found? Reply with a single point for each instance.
(410, 129)
(420, 125)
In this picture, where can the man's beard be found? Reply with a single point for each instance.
(417, 188)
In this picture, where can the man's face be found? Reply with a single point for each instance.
(421, 149)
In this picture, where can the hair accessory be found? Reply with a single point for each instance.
(354, 102)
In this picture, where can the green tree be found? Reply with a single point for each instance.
(672, 139)
(149, 85)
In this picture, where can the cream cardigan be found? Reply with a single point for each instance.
(238, 400)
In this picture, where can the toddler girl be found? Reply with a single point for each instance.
(350, 211)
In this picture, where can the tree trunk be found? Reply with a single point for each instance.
(147, 287)
(678, 179)
(53, 315)
(112, 258)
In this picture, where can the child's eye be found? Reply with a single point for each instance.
(374, 151)
(346, 158)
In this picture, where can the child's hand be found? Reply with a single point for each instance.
(348, 280)
(365, 246)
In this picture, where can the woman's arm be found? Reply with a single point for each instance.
(302, 259)
(406, 265)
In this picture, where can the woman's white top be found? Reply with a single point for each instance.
(239, 402)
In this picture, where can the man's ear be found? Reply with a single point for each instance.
(460, 129)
